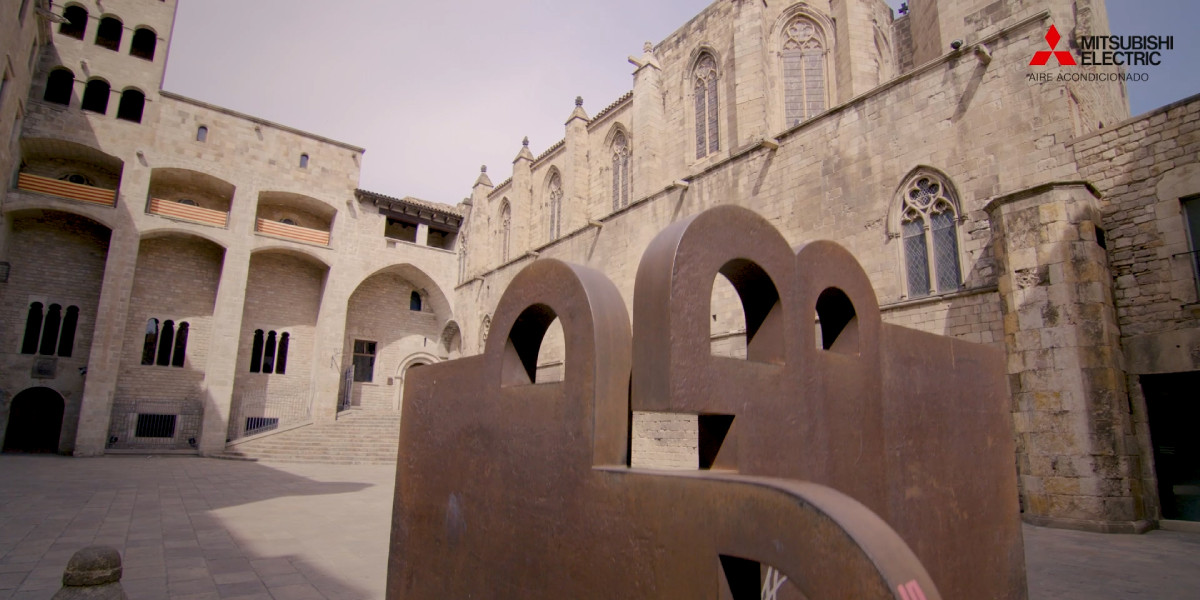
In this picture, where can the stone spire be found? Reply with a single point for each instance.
(524, 153)
(483, 178)
(578, 113)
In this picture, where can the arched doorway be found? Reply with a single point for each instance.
(419, 359)
(34, 421)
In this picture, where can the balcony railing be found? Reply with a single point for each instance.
(66, 189)
(292, 232)
(187, 212)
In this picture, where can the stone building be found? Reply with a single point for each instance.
(984, 202)
(177, 275)
(180, 276)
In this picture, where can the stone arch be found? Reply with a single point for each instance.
(35, 420)
(414, 360)
(896, 208)
(825, 32)
(381, 334)
(265, 246)
(166, 231)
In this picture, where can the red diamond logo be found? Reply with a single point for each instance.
(1041, 57)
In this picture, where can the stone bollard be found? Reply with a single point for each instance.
(93, 573)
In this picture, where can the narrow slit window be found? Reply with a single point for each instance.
(150, 343)
(256, 352)
(33, 329)
(704, 88)
(181, 337)
(202, 134)
(66, 340)
(268, 365)
(166, 338)
(303, 161)
(414, 301)
(281, 354)
(50, 330)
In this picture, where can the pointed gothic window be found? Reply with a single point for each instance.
(620, 166)
(556, 194)
(929, 230)
(505, 231)
(804, 77)
(704, 78)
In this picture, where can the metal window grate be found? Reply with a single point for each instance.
(155, 426)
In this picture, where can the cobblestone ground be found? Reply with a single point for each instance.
(191, 528)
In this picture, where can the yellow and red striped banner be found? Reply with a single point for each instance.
(295, 232)
(66, 189)
(187, 212)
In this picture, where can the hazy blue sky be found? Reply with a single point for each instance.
(434, 89)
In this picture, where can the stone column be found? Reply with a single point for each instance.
(330, 334)
(576, 174)
(422, 234)
(647, 123)
(222, 363)
(220, 370)
(104, 357)
(525, 223)
(747, 73)
(1067, 384)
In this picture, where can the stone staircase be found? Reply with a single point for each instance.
(358, 437)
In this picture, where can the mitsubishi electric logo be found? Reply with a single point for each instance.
(1100, 51)
(1063, 57)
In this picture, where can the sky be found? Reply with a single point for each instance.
(434, 89)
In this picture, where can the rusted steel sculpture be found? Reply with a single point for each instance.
(827, 471)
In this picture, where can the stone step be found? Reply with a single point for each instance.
(357, 437)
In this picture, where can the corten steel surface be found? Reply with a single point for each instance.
(508, 488)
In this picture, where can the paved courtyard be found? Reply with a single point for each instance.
(191, 528)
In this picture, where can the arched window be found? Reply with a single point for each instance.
(414, 301)
(620, 167)
(281, 354)
(108, 34)
(804, 77)
(505, 231)
(33, 329)
(66, 339)
(143, 44)
(180, 349)
(76, 24)
(202, 134)
(165, 346)
(150, 343)
(79, 178)
(269, 352)
(95, 96)
(130, 108)
(555, 192)
(268, 362)
(256, 352)
(303, 161)
(187, 202)
(166, 339)
(59, 86)
(50, 330)
(704, 83)
(929, 229)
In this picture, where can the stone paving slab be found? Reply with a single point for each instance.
(200, 529)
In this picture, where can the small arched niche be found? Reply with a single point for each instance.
(535, 351)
